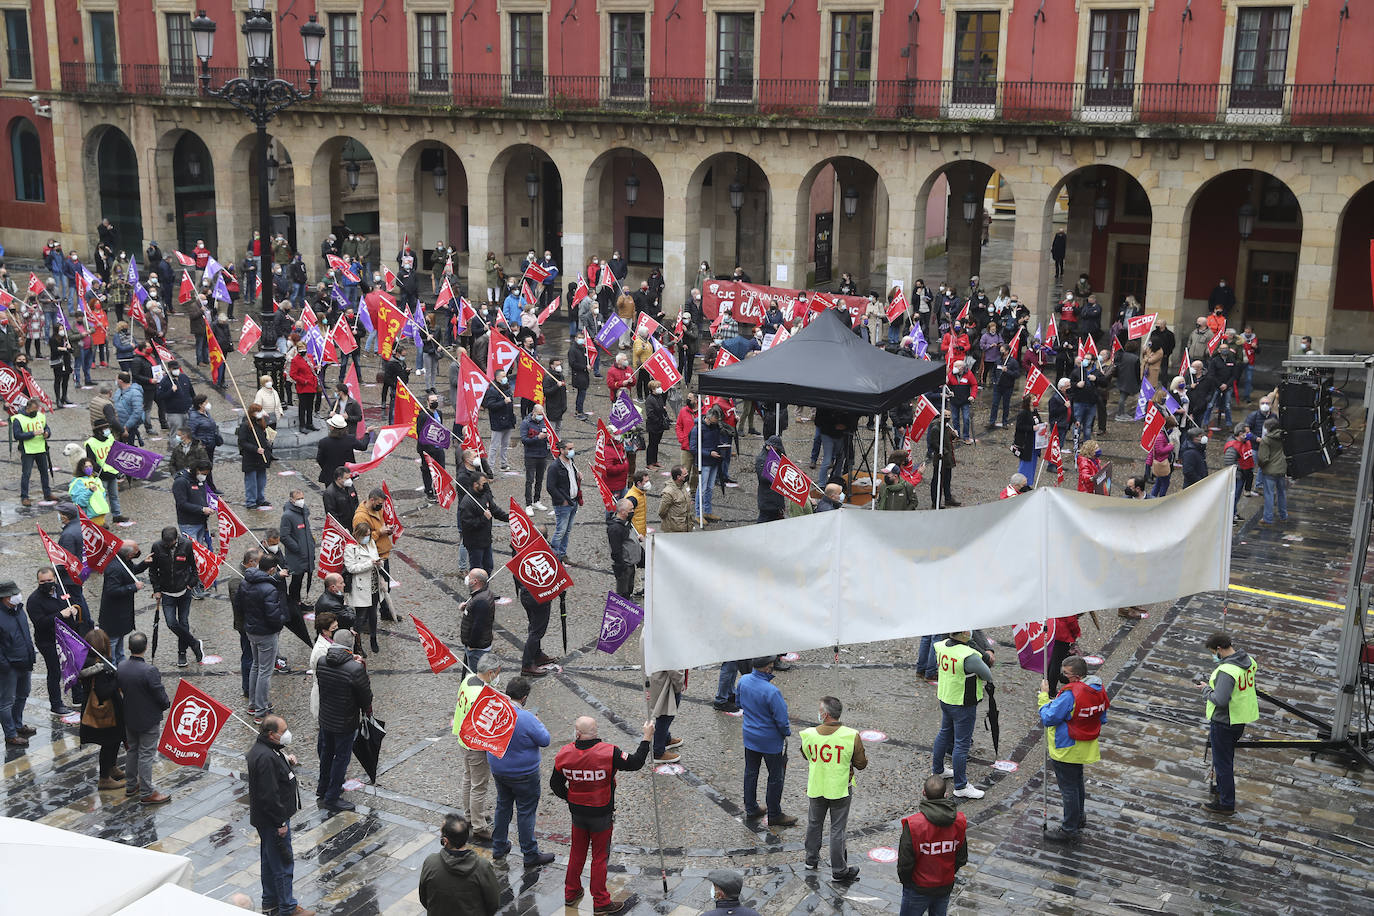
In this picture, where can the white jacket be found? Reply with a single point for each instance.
(317, 651)
(358, 560)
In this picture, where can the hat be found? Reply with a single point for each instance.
(67, 509)
(891, 469)
(488, 663)
(763, 661)
(8, 589)
(343, 638)
(336, 422)
(729, 881)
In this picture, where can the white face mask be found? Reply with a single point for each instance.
(286, 738)
(298, 503)
(200, 478)
(348, 484)
(267, 385)
(1201, 440)
(1264, 408)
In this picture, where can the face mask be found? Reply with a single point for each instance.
(348, 484)
(496, 682)
(176, 373)
(365, 539)
(572, 453)
(268, 386)
(286, 738)
(581, 341)
(50, 587)
(298, 503)
(1216, 658)
(1264, 408)
(648, 487)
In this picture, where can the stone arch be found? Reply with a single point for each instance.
(857, 243)
(333, 197)
(187, 158)
(716, 233)
(1352, 292)
(1115, 254)
(526, 222)
(611, 222)
(945, 226)
(113, 184)
(425, 213)
(281, 194)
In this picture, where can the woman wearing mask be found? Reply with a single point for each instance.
(656, 421)
(102, 715)
(87, 490)
(307, 384)
(1029, 430)
(124, 347)
(270, 402)
(368, 587)
(255, 456)
(988, 352)
(61, 356)
(496, 278)
(703, 274)
(1161, 458)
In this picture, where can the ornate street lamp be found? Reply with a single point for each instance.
(1102, 212)
(1245, 221)
(632, 190)
(850, 201)
(440, 178)
(260, 96)
(272, 166)
(531, 185)
(351, 170)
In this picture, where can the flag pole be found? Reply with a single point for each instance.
(873, 468)
(701, 506)
(1045, 766)
(940, 472)
(653, 785)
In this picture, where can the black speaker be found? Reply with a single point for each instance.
(1301, 464)
(1300, 417)
(1305, 440)
(1299, 394)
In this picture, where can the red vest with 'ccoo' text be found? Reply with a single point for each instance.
(590, 773)
(935, 848)
(1088, 706)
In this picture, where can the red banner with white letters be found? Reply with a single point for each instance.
(193, 723)
(751, 301)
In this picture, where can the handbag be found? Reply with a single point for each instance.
(99, 713)
(1161, 468)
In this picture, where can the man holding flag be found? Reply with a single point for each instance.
(46, 606)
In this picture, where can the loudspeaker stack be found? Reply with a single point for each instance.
(1307, 416)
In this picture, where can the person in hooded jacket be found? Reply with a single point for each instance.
(298, 547)
(345, 694)
(772, 504)
(896, 493)
(933, 846)
(1073, 721)
(456, 879)
(1193, 456)
(117, 595)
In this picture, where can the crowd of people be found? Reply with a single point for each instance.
(986, 343)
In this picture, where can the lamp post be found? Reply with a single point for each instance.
(1245, 221)
(736, 203)
(260, 96)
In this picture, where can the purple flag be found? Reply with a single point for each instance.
(133, 272)
(140, 293)
(221, 291)
(1147, 391)
(92, 281)
(414, 324)
(134, 461)
(621, 619)
(624, 415)
(432, 432)
(71, 652)
(770, 466)
(922, 345)
(212, 267)
(341, 301)
(315, 344)
(611, 332)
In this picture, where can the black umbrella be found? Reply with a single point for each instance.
(367, 746)
(297, 625)
(992, 724)
(156, 617)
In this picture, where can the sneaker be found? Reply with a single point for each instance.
(62, 710)
(341, 805)
(200, 651)
(969, 792)
(1218, 808)
(668, 757)
(782, 820)
(812, 866)
(181, 660)
(948, 773)
(673, 742)
(540, 506)
(282, 667)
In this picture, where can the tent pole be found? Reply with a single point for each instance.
(701, 506)
(873, 467)
(777, 419)
(940, 458)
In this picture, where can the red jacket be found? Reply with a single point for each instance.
(1087, 470)
(958, 342)
(303, 376)
(936, 850)
(1066, 629)
(1088, 707)
(617, 378)
(617, 470)
(686, 419)
(590, 773)
(202, 256)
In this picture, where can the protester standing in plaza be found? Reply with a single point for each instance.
(17, 657)
(474, 774)
(273, 797)
(664, 691)
(476, 619)
(1232, 703)
(516, 775)
(765, 728)
(932, 848)
(455, 879)
(1073, 720)
(45, 606)
(563, 482)
(833, 752)
(265, 613)
(145, 700)
(345, 695)
(963, 672)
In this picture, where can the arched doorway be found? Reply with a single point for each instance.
(623, 203)
(1107, 234)
(281, 187)
(117, 187)
(1245, 228)
(845, 228)
(1353, 301)
(193, 188)
(966, 225)
(728, 201)
(433, 205)
(528, 190)
(26, 160)
(354, 193)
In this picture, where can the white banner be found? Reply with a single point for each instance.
(856, 576)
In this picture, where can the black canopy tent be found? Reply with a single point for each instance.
(826, 364)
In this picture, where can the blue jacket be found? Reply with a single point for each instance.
(511, 307)
(713, 438)
(264, 604)
(128, 405)
(1056, 714)
(530, 428)
(765, 713)
(522, 755)
(205, 430)
(16, 645)
(176, 394)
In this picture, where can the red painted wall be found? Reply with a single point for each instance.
(1353, 289)
(25, 214)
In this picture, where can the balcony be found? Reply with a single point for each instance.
(1294, 105)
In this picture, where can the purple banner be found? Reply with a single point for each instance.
(1147, 393)
(624, 415)
(431, 432)
(611, 332)
(621, 619)
(770, 466)
(71, 652)
(134, 461)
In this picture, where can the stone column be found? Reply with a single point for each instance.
(1164, 281)
(786, 233)
(905, 241)
(1312, 297)
(1032, 271)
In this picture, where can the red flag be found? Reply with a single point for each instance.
(661, 368)
(1087, 346)
(536, 272)
(472, 439)
(925, 415)
(192, 724)
(581, 292)
(789, 480)
(163, 353)
(332, 542)
(388, 437)
(501, 353)
(308, 317)
(35, 284)
(36, 391)
(529, 377)
(98, 546)
(472, 389)
(897, 307)
(727, 409)
(646, 325)
(230, 527)
(550, 309)
(185, 260)
(555, 444)
(248, 337)
(187, 291)
(963, 312)
(390, 320)
(389, 514)
(136, 311)
(95, 315)
(1054, 456)
(1215, 341)
(216, 354)
(355, 390)
(589, 347)
(1052, 332)
(60, 556)
(406, 411)
(342, 337)
(1015, 346)
(342, 266)
(528, 294)
(207, 563)
(540, 571)
(1036, 383)
(436, 653)
(522, 530)
(443, 482)
(605, 441)
(724, 358)
(486, 722)
(1116, 346)
(1154, 422)
(1139, 325)
(445, 296)
(607, 497)
(6, 299)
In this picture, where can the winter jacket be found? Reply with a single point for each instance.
(522, 754)
(263, 600)
(1055, 715)
(345, 690)
(204, 430)
(899, 496)
(297, 540)
(248, 442)
(479, 614)
(941, 812)
(771, 503)
(476, 527)
(303, 375)
(273, 794)
(117, 594)
(765, 722)
(500, 411)
(128, 403)
(16, 645)
(656, 412)
(557, 483)
(145, 698)
(686, 419)
(367, 583)
(577, 359)
(1271, 458)
(675, 510)
(458, 881)
(176, 394)
(173, 568)
(555, 396)
(536, 445)
(1194, 460)
(342, 504)
(190, 496)
(333, 452)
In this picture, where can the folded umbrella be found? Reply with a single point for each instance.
(992, 724)
(367, 746)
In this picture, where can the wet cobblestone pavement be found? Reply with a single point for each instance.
(1302, 840)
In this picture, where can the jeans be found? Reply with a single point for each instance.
(175, 421)
(815, 446)
(474, 788)
(481, 557)
(112, 494)
(1223, 737)
(335, 749)
(138, 760)
(1070, 779)
(777, 769)
(176, 613)
(260, 676)
(1084, 414)
(839, 820)
(522, 792)
(197, 533)
(1160, 488)
(245, 661)
(117, 651)
(27, 463)
(917, 903)
(600, 845)
(472, 656)
(14, 693)
(85, 361)
(581, 401)
(534, 478)
(254, 488)
(1275, 491)
(1001, 397)
(963, 419)
(956, 729)
(1221, 402)
(1245, 480)
(705, 486)
(829, 445)
(278, 866)
(562, 528)
(663, 726)
(624, 579)
(725, 683)
(927, 662)
(1247, 381)
(52, 664)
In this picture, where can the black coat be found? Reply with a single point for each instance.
(273, 793)
(476, 527)
(333, 452)
(577, 361)
(117, 596)
(248, 443)
(656, 411)
(172, 568)
(145, 699)
(478, 617)
(556, 482)
(556, 395)
(342, 504)
(263, 602)
(345, 690)
(335, 604)
(190, 497)
(297, 539)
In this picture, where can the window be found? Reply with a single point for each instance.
(104, 48)
(1261, 61)
(180, 59)
(627, 54)
(343, 50)
(527, 53)
(17, 45)
(1111, 57)
(644, 238)
(27, 157)
(735, 56)
(851, 56)
(976, 45)
(432, 31)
